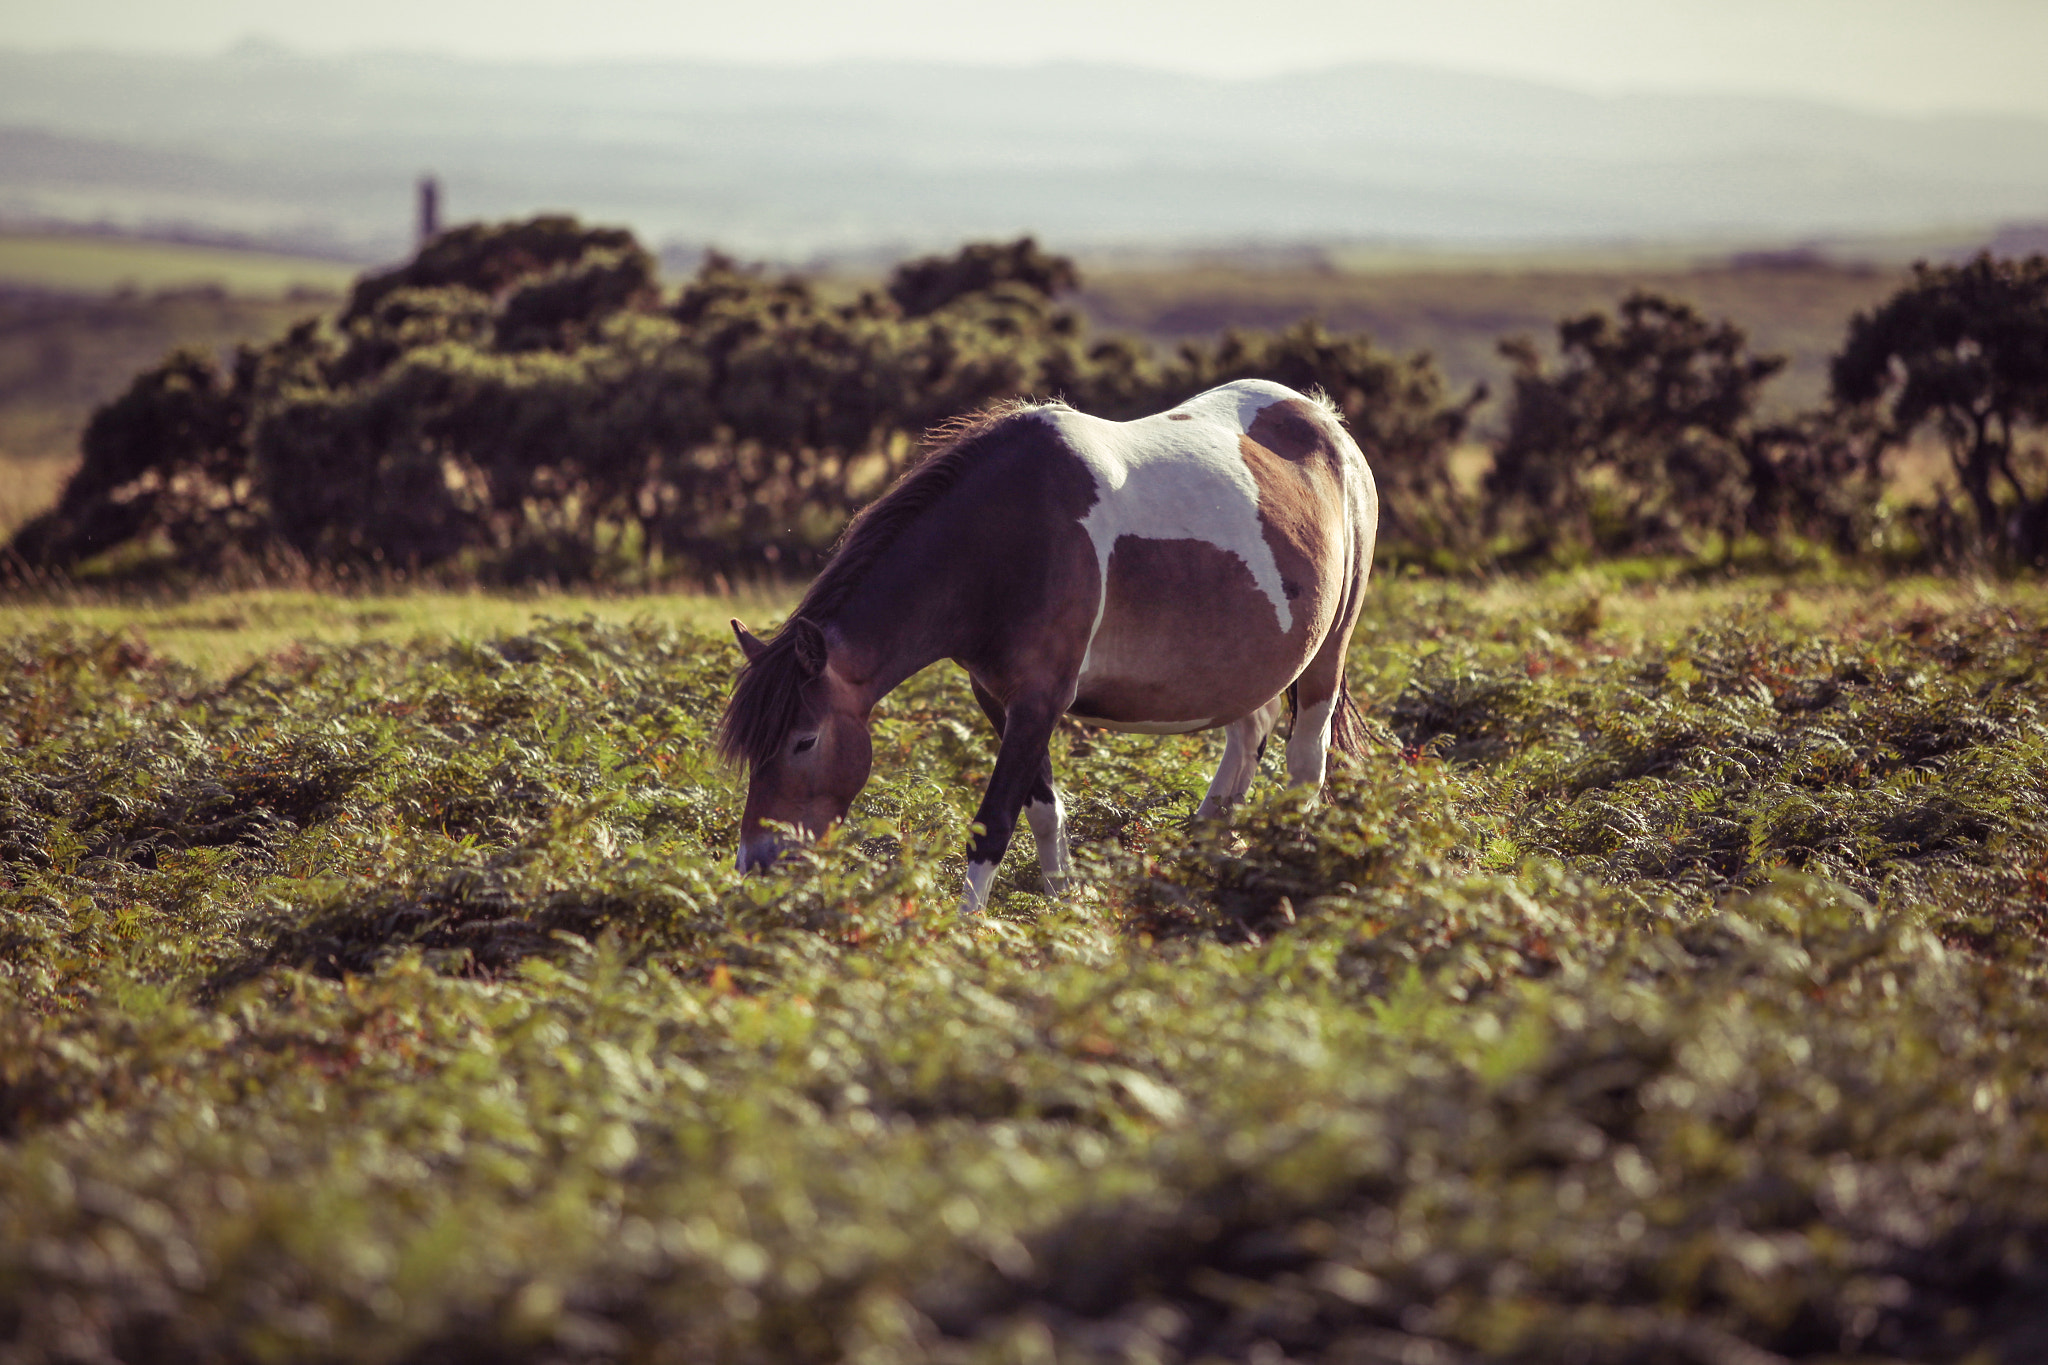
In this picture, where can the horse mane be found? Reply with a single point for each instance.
(768, 697)
(1319, 397)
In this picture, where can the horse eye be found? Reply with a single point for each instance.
(805, 745)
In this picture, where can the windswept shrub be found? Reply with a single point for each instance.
(169, 458)
(1964, 349)
(1641, 439)
(924, 286)
(516, 403)
(491, 258)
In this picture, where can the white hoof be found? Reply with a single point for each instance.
(975, 897)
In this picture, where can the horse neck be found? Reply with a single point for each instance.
(894, 624)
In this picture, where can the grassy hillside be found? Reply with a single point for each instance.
(75, 263)
(1665, 987)
(1796, 307)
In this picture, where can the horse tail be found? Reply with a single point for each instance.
(1347, 726)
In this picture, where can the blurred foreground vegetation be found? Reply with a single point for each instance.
(1667, 986)
(525, 403)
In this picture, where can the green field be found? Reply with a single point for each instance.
(375, 985)
(221, 633)
(92, 265)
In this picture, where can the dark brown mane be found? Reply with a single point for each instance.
(769, 694)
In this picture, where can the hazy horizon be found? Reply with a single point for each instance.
(1894, 56)
(906, 152)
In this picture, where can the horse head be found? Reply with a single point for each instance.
(802, 728)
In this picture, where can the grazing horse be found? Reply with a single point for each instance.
(1194, 569)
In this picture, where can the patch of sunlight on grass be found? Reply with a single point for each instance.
(57, 261)
(1650, 612)
(220, 633)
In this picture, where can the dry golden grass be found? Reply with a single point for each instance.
(28, 485)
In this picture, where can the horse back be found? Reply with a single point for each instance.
(1228, 547)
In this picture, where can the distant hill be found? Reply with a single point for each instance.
(864, 156)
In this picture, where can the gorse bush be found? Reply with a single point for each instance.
(1964, 350)
(521, 401)
(1673, 998)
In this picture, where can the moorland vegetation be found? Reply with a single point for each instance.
(1665, 984)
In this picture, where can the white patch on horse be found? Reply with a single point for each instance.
(979, 875)
(1308, 747)
(1162, 479)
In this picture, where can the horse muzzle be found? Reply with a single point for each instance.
(759, 852)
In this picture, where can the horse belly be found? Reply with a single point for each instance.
(1189, 640)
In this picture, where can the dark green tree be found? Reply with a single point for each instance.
(168, 457)
(1964, 349)
(514, 403)
(932, 282)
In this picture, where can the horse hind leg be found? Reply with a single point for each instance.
(1319, 699)
(1308, 746)
(1243, 741)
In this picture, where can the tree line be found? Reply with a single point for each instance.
(523, 401)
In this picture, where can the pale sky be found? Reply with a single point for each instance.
(1904, 55)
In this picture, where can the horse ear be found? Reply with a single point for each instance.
(751, 645)
(810, 646)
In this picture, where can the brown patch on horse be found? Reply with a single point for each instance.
(1300, 507)
(1164, 595)
(1293, 430)
(1290, 450)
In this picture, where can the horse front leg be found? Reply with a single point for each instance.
(1023, 764)
(1048, 817)
(1042, 805)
